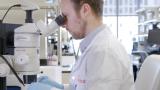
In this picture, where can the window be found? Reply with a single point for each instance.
(126, 2)
(120, 2)
(105, 11)
(110, 2)
(135, 2)
(119, 24)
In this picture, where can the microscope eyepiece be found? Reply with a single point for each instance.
(60, 20)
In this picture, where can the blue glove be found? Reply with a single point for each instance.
(46, 80)
(38, 86)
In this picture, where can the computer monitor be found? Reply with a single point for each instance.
(154, 37)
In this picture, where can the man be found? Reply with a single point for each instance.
(104, 64)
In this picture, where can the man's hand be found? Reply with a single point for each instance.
(46, 80)
(44, 83)
(38, 86)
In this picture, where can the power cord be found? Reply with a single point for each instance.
(74, 51)
(17, 5)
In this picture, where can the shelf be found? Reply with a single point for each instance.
(148, 15)
(149, 21)
(146, 9)
(142, 35)
(140, 11)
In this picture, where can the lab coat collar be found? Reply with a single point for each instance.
(88, 39)
(85, 43)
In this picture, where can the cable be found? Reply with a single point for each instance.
(17, 5)
(74, 51)
(13, 70)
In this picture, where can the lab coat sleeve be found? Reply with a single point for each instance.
(104, 71)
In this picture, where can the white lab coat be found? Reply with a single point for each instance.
(104, 65)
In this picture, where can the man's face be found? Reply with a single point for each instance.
(74, 24)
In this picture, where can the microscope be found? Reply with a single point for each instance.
(24, 63)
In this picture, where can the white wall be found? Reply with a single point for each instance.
(16, 15)
(12, 2)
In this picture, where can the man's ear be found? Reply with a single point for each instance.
(85, 10)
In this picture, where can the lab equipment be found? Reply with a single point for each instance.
(4, 70)
(149, 75)
(7, 49)
(26, 45)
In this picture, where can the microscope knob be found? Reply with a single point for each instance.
(22, 60)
